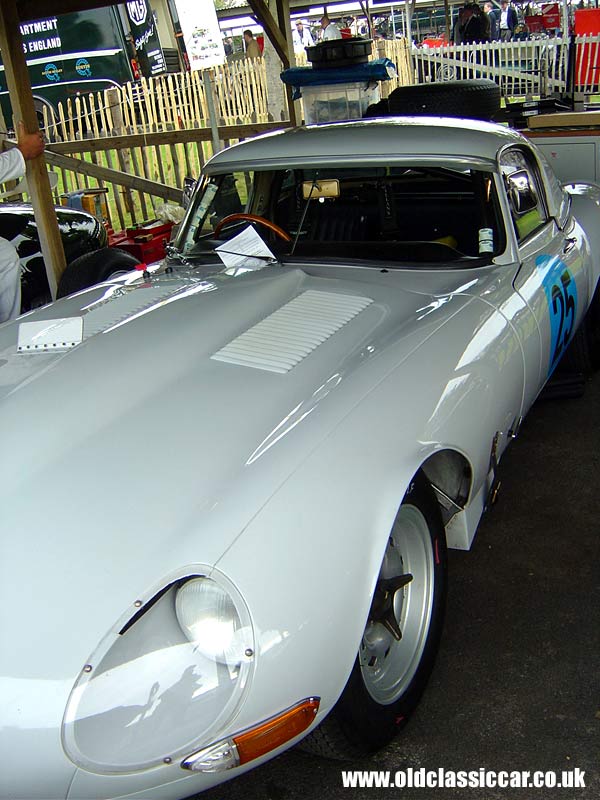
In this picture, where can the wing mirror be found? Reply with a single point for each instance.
(521, 193)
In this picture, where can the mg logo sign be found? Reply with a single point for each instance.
(137, 10)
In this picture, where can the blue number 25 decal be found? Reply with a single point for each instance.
(561, 294)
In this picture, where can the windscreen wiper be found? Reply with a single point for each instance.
(266, 259)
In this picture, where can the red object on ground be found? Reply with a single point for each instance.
(146, 242)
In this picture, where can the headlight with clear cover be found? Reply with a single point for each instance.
(168, 682)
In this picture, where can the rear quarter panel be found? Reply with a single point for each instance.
(585, 198)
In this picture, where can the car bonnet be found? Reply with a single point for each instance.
(153, 442)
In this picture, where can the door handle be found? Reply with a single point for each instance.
(569, 243)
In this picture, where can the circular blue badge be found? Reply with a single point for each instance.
(83, 67)
(51, 72)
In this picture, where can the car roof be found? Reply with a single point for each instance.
(369, 141)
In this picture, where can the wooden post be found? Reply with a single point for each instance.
(283, 17)
(212, 112)
(19, 87)
(123, 155)
(3, 129)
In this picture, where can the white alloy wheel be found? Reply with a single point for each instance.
(396, 632)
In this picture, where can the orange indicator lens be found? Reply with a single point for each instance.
(276, 731)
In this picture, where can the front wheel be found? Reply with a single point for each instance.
(401, 637)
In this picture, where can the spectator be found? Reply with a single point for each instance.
(12, 165)
(301, 37)
(494, 18)
(472, 25)
(508, 21)
(330, 29)
(455, 35)
(252, 48)
(228, 45)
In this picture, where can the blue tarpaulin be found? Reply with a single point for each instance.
(380, 70)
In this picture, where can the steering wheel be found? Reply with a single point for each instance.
(253, 218)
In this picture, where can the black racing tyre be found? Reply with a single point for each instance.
(390, 674)
(471, 99)
(379, 109)
(91, 268)
(583, 353)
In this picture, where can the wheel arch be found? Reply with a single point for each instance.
(585, 198)
(310, 608)
(450, 474)
(335, 509)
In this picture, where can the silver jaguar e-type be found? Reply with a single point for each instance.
(229, 482)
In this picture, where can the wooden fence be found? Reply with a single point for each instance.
(140, 141)
(209, 110)
(140, 171)
(166, 102)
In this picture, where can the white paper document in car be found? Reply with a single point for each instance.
(246, 251)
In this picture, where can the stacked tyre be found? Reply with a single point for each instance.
(470, 99)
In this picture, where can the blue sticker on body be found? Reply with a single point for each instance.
(561, 296)
(52, 72)
(82, 65)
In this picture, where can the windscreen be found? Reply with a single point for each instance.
(417, 214)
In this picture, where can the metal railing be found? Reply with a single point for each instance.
(532, 66)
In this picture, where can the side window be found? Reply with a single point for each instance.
(231, 198)
(560, 199)
(523, 189)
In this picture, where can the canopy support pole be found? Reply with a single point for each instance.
(19, 88)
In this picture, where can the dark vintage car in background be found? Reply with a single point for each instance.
(84, 240)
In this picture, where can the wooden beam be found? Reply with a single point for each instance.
(165, 138)
(56, 155)
(266, 19)
(19, 87)
(283, 19)
(114, 176)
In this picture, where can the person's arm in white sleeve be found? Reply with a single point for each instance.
(12, 162)
(12, 165)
